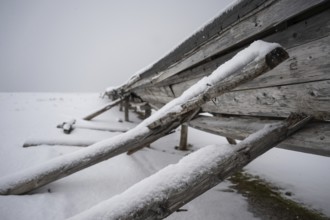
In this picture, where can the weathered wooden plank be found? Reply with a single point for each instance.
(308, 62)
(155, 100)
(243, 31)
(234, 127)
(314, 138)
(211, 30)
(158, 196)
(310, 98)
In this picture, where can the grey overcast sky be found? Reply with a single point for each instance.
(87, 45)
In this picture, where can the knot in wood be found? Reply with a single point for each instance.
(276, 56)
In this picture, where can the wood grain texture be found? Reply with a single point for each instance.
(310, 98)
(301, 76)
(314, 138)
(241, 33)
(305, 31)
(308, 62)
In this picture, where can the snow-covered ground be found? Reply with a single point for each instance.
(26, 116)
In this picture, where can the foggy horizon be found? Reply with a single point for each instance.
(86, 46)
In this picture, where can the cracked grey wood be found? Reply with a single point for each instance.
(268, 18)
(314, 138)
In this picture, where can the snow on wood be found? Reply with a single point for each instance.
(255, 60)
(255, 52)
(63, 142)
(163, 193)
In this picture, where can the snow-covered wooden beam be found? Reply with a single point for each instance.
(253, 61)
(73, 124)
(58, 141)
(163, 193)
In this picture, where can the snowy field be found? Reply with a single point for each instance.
(26, 116)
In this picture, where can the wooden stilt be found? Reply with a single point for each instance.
(126, 108)
(184, 137)
(147, 111)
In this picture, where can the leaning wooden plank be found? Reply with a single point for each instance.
(163, 193)
(102, 110)
(314, 138)
(246, 65)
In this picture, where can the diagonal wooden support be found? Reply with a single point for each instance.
(163, 193)
(245, 66)
(102, 110)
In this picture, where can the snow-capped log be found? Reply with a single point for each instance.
(59, 142)
(163, 193)
(251, 62)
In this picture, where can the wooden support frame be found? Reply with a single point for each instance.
(158, 196)
(137, 137)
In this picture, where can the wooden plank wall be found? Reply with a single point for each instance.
(300, 84)
(313, 138)
(269, 17)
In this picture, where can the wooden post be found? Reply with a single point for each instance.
(126, 107)
(231, 140)
(147, 114)
(147, 111)
(184, 137)
(121, 106)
